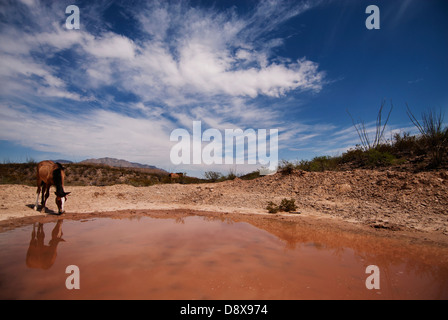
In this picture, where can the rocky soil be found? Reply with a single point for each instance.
(380, 199)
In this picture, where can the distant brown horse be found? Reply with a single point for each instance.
(48, 174)
(175, 176)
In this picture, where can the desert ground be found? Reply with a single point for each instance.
(383, 202)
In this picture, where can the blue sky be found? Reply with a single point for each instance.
(137, 70)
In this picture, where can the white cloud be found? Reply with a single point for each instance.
(56, 37)
(217, 54)
(190, 51)
(109, 45)
(95, 134)
(29, 3)
(184, 64)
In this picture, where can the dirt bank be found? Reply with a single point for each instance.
(382, 200)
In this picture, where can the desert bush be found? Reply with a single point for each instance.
(142, 182)
(368, 158)
(251, 175)
(377, 158)
(304, 165)
(285, 206)
(367, 142)
(212, 175)
(405, 144)
(324, 163)
(18, 173)
(286, 167)
(272, 207)
(231, 175)
(434, 136)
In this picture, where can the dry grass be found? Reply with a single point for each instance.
(88, 175)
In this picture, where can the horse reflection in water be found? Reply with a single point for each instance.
(39, 255)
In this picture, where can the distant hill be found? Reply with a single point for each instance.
(119, 163)
(90, 174)
(61, 161)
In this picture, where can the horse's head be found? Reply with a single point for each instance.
(60, 201)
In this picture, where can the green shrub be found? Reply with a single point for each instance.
(368, 142)
(212, 175)
(286, 167)
(285, 206)
(272, 207)
(304, 165)
(231, 175)
(405, 144)
(324, 163)
(317, 164)
(434, 135)
(369, 158)
(376, 158)
(251, 175)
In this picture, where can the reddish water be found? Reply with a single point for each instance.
(202, 258)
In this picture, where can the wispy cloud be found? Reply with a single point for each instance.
(124, 91)
(90, 134)
(186, 50)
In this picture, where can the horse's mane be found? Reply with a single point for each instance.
(57, 179)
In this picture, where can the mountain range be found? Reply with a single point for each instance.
(112, 162)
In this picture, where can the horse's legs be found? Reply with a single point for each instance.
(38, 194)
(42, 202)
(37, 199)
(45, 195)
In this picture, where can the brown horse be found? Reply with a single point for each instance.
(48, 174)
(175, 176)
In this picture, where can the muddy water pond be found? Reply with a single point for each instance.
(203, 257)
